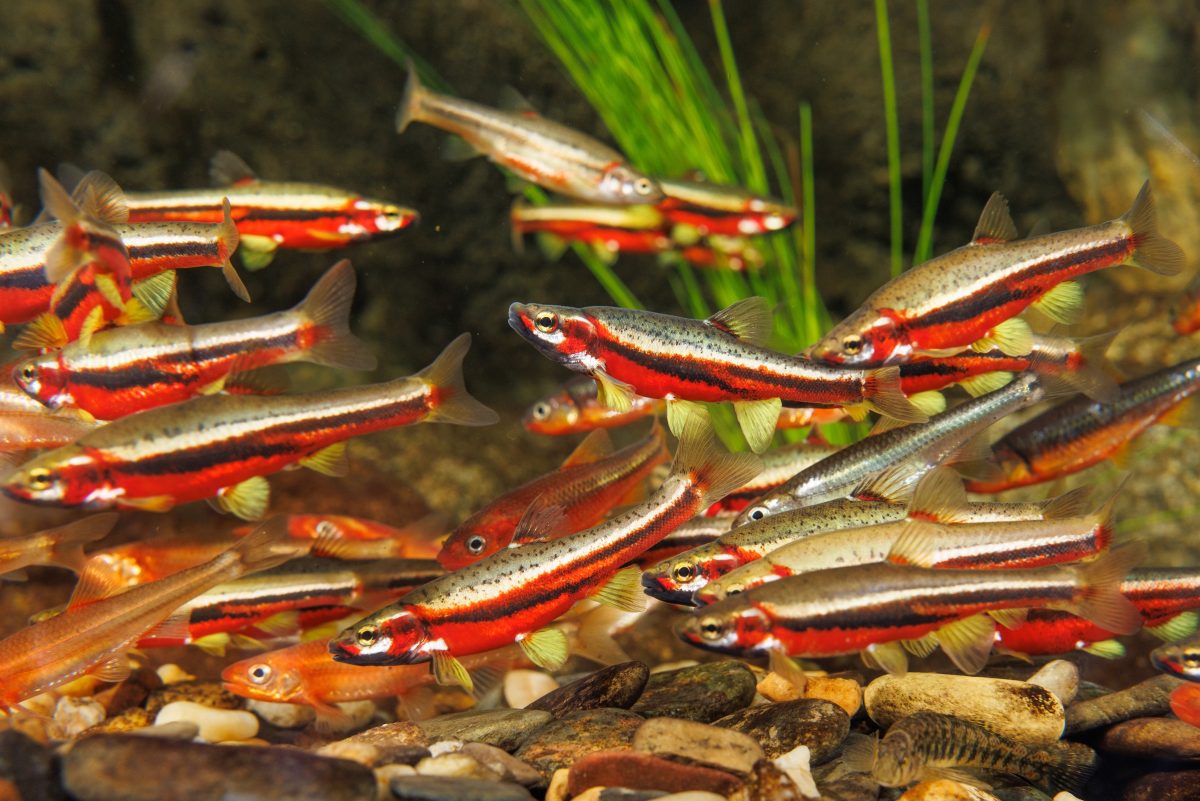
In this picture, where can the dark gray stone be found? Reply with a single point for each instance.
(780, 727)
(701, 692)
(1153, 738)
(30, 766)
(617, 686)
(444, 788)
(562, 742)
(1144, 699)
(1176, 785)
(503, 728)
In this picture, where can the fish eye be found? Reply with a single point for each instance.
(1191, 659)
(683, 572)
(546, 322)
(28, 372)
(711, 628)
(260, 673)
(643, 186)
(367, 635)
(734, 589)
(475, 544)
(757, 513)
(852, 344)
(541, 411)
(39, 478)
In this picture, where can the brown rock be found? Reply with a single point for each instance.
(698, 743)
(505, 764)
(1153, 738)
(945, 790)
(617, 687)
(700, 692)
(207, 693)
(130, 720)
(846, 693)
(400, 742)
(640, 771)
(129, 693)
(1176, 785)
(503, 728)
(1146, 698)
(780, 727)
(561, 743)
(768, 783)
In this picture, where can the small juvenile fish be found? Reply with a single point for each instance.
(26, 424)
(698, 531)
(61, 546)
(139, 562)
(589, 484)
(513, 595)
(926, 745)
(1081, 432)
(707, 209)
(129, 369)
(872, 607)
(274, 214)
(971, 296)
(345, 537)
(536, 149)
(899, 457)
(223, 445)
(93, 638)
(631, 352)
(735, 253)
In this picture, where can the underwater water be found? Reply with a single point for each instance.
(527, 597)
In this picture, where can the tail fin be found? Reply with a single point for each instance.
(410, 101)
(101, 198)
(229, 239)
(1152, 250)
(1068, 767)
(327, 307)
(63, 257)
(456, 405)
(1088, 375)
(269, 545)
(1100, 599)
(713, 470)
(1103, 517)
(70, 539)
(881, 391)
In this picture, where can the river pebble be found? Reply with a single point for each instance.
(74, 715)
(283, 716)
(1017, 709)
(401, 742)
(767, 782)
(1175, 785)
(208, 693)
(131, 692)
(458, 765)
(28, 768)
(946, 790)
(1144, 699)
(1153, 738)
(503, 728)
(639, 770)
(523, 687)
(701, 692)
(698, 743)
(1059, 677)
(780, 727)
(442, 788)
(616, 686)
(505, 764)
(216, 725)
(561, 743)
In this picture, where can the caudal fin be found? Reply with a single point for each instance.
(269, 545)
(410, 101)
(1152, 250)
(455, 404)
(63, 257)
(1068, 767)
(1100, 599)
(881, 391)
(711, 468)
(70, 539)
(327, 307)
(1088, 374)
(229, 240)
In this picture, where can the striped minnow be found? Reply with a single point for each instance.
(779, 465)
(26, 424)
(273, 214)
(1166, 597)
(223, 445)
(971, 295)
(515, 593)
(930, 745)
(131, 368)
(94, 637)
(723, 358)
(872, 608)
(903, 454)
(536, 149)
(677, 579)
(345, 537)
(706, 209)
(590, 483)
(1082, 432)
(698, 531)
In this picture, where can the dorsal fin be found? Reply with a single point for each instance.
(995, 223)
(594, 447)
(228, 169)
(749, 320)
(99, 197)
(512, 100)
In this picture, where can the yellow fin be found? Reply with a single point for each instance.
(215, 387)
(915, 545)
(1179, 627)
(213, 644)
(1100, 599)
(748, 320)
(155, 292)
(1070, 504)
(1009, 618)
(623, 590)
(922, 647)
(280, 625)
(613, 393)
(1013, 337)
(679, 412)
(894, 485)
(939, 496)
(1063, 303)
(329, 461)
(257, 251)
(448, 670)
(886, 656)
(984, 383)
(595, 446)
(546, 648)
(247, 500)
(136, 313)
(152, 503)
(930, 403)
(43, 332)
(882, 393)
(107, 287)
(968, 642)
(91, 324)
(757, 420)
(1105, 649)
(551, 246)
(779, 662)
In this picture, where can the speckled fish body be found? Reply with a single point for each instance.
(712, 209)
(692, 534)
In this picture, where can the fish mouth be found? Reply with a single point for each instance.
(655, 588)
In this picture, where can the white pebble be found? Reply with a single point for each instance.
(1059, 677)
(73, 715)
(216, 725)
(523, 687)
(171, 673)
(456, 766)
(283, 716)
(445, 747)
(795, 764)
(1065, 796)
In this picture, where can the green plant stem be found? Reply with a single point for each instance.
(892, 123)
(925, 44)
(925, 238)
(808, 227)
(371, 28)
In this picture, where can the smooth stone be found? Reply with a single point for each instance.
(503, 763)
(1059, 677)
(641, 771)
(282, 716)
(780, 727)
(458, 765)
(1144, 699)
(401, 742)
(442, 788)
(629, 794)
(945, 790)
(216, 725)
(208, 693)
(1065, 796)
(797, 765)
(175, 730)
(846, 693)
(503, 728)
(1174, 785)
(616, 686)
(1025, 712)
(774, 687)
(698, 743)
(130, 693)
(523, 687)
(560, 743)
(130, 720)
(1153, 738)
(768, 783)
(75, 715)
(702, 692)
(123, 767)
(29, 767)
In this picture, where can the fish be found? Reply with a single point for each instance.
(632, 352)
(25, 424)
(607, 230)
(929, 745)
(700, 530)
(735, 253)
(779, 465)
(530, 146)
(1078, 362)
(132, 368)
(61, 546)
(871, 608)
(1081, 432)
(1181, 660)
(971, 296)
(346, 537)
(589, 484)
(92, 639)
(516, 593)
(938, 497)
(994, 534)
(1185, 314)
(1185, 703)
(270, 215)
(892, 461)
(131, 564)
(221, 446)
(707, 209)
(1167, 599)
